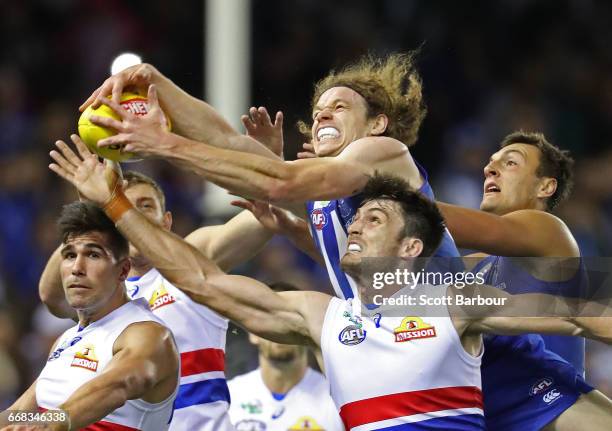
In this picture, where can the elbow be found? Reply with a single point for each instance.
(136, 385)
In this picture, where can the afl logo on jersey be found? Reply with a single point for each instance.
(541, 386)
(352, 335)
(318, 218)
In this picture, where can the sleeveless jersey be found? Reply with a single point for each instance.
(400, 373)
(82, 354)
(329, 222)
(307, 406)
(203, 397)
(541, 376)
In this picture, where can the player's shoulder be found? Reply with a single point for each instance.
(380, 143)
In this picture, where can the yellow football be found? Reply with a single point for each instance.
(91, 133)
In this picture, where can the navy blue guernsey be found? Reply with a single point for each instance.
(529, 380)
(329, 222)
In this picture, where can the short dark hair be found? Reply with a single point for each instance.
(78, 218)
(554, 163)
(133, 178)
(422, 218)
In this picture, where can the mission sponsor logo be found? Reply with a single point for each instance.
(306, 423)
(160, 298)
(318, 218)
(352, 335)
(86, 358)
(413, 328)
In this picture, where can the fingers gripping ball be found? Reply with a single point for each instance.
(91, 133)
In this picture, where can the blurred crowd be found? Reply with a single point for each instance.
(488, 68)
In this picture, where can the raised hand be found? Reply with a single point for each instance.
(259, 126)
(139, 76)
(276, 220)
(308, 152)
(141, 134)
(94, 180)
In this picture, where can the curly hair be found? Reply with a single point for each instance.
(554, 163)
(390, 85)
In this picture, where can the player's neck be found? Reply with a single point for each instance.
(280, 378)
(86, 317)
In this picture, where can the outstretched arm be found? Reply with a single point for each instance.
(520, 314)
(519, 233)
(191, 117)
(257, 177)
(290, 317)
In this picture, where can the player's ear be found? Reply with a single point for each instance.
(547, 187)
(167, 221)
(411, 247)
(125, 269)
(379, 125)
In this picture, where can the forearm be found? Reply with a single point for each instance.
(51, 291)
(257, 177)
(232, 243)
(103, 395)
(179, 262)
(595, 328)
(195, 119)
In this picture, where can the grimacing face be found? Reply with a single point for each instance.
(375, 232)
(511, 182)
(339, 118)
(90, 272)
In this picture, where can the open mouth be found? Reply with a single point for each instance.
(354, 247)
(325, 133)
(492, 188)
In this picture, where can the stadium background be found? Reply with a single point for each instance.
(488, 68)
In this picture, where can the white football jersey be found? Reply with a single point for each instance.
(203, 398)
(82, 354)
(400, 370)
(306, 407)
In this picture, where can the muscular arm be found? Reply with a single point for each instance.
(191, 117)
(51, 291)
(297, 181)
(291, 317)
(26, 402)
(232, 243)
(144, 365)
(519, 314)
(519, 233)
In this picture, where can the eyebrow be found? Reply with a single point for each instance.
(89, 245)
(506, 153)
(333, 102)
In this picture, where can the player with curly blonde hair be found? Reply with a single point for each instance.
(364, 118)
